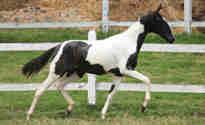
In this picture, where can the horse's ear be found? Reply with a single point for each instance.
(159, 7)
(139, 15)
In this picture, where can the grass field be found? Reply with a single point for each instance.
(160, 67)
(164, 109)
(55, 35)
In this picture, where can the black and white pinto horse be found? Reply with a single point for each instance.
(116, 55)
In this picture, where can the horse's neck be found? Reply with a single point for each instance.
(137, 34)
(135, 30)
(133, 36)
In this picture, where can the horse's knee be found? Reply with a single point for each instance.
(39, 92)
(72, 102)
(60, 87)
(147, 80)
(148, 97)
(71, 105)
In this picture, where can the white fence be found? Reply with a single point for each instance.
(106, 23)
(103, 86)
(175, 48)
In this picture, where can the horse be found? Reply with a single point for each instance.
(117, 55)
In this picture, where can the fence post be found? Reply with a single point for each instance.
(105, 15)
(187, 16)
(91, 77)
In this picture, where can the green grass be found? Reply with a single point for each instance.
(160, 67)
(164, 109)
(55, 35)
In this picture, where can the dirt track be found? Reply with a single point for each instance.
(89, 10)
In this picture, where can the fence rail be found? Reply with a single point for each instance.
(102, 86)
(187, 23)
(48, 25)
(87, 24)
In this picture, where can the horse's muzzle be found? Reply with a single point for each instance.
(171, 39)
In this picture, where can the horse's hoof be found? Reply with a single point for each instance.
(103, 117)
(28, 117)
(143, 108)
(67, 113)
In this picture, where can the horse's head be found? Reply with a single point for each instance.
(155, 23)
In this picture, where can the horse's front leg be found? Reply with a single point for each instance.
(146, 80)
(116, 81)
(68, 99)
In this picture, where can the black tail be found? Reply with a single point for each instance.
(35, 65)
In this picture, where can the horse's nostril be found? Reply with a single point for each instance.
(171, 39)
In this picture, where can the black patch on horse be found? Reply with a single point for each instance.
(73, 60)
(86, 67)
(36, 64)
(73, 54)
(116, 72)
(133, 58)
(111, 88)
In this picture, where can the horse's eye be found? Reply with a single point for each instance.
(158, 19)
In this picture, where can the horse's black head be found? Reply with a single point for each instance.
(155, 23)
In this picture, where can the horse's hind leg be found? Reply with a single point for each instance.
(50, 79)
(60, 84)
(68, 99)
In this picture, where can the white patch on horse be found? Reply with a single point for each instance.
(111, 52)
(57, 57)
